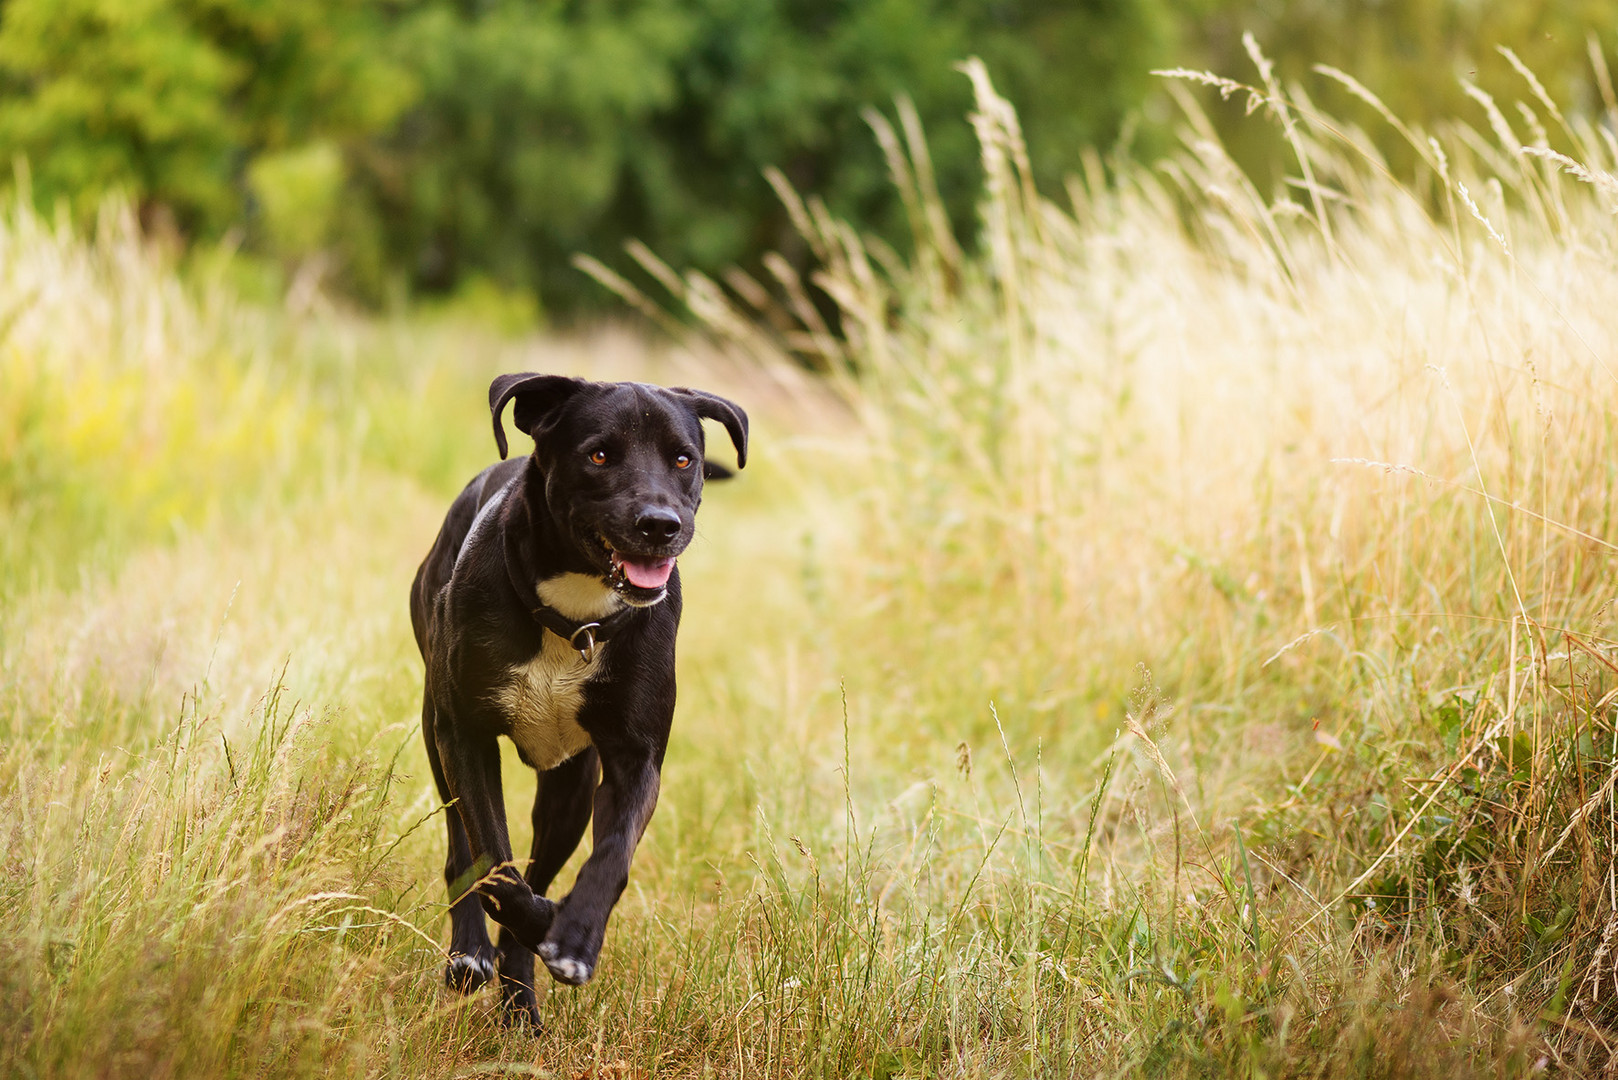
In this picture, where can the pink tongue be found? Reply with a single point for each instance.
(648, 573)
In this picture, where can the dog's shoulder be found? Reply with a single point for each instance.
(460, 596)
(468, 508)
(478, 501)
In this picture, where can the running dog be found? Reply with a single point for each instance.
(546, 612)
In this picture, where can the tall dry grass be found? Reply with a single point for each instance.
(1334, 467)
(1187, 655)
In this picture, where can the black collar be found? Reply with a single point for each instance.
(583, 636)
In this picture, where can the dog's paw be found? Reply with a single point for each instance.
(469, 972)
(565, 969)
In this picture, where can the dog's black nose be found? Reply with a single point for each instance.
(658, 524)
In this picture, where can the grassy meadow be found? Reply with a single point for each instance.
(1174, 639)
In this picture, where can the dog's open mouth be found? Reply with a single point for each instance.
(644, 576)
(643, 572)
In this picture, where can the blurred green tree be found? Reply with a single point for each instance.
(102, 95)
(530, 116)
(445, 145)
(168, 100)
(546, 128)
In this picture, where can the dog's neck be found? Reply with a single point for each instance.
(580, 597)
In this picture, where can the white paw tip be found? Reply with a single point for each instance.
(468, 973)
(567, 969)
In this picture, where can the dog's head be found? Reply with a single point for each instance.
(623, 464)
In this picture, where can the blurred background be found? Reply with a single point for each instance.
(460, 152)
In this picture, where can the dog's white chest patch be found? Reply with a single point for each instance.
(542, 698)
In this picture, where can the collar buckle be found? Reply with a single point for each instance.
(587, 651)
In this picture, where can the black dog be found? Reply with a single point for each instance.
(546, 612)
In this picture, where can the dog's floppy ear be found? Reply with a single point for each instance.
(536, 396)
(714, 407)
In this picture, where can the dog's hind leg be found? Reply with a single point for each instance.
(562, 807)
(471, 954)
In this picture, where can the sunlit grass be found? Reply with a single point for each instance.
(1182, 650)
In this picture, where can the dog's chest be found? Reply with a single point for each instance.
(542, 699)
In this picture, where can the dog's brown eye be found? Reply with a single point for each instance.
(598, 457)
(683, 461)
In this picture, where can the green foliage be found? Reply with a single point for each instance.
(499, 139)
(297, 192)
(548, 129)
(105, 95)
(518, 145)
(166, 100)
(422, 143)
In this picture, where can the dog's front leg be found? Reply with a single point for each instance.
(623, 806)
(472, 769)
